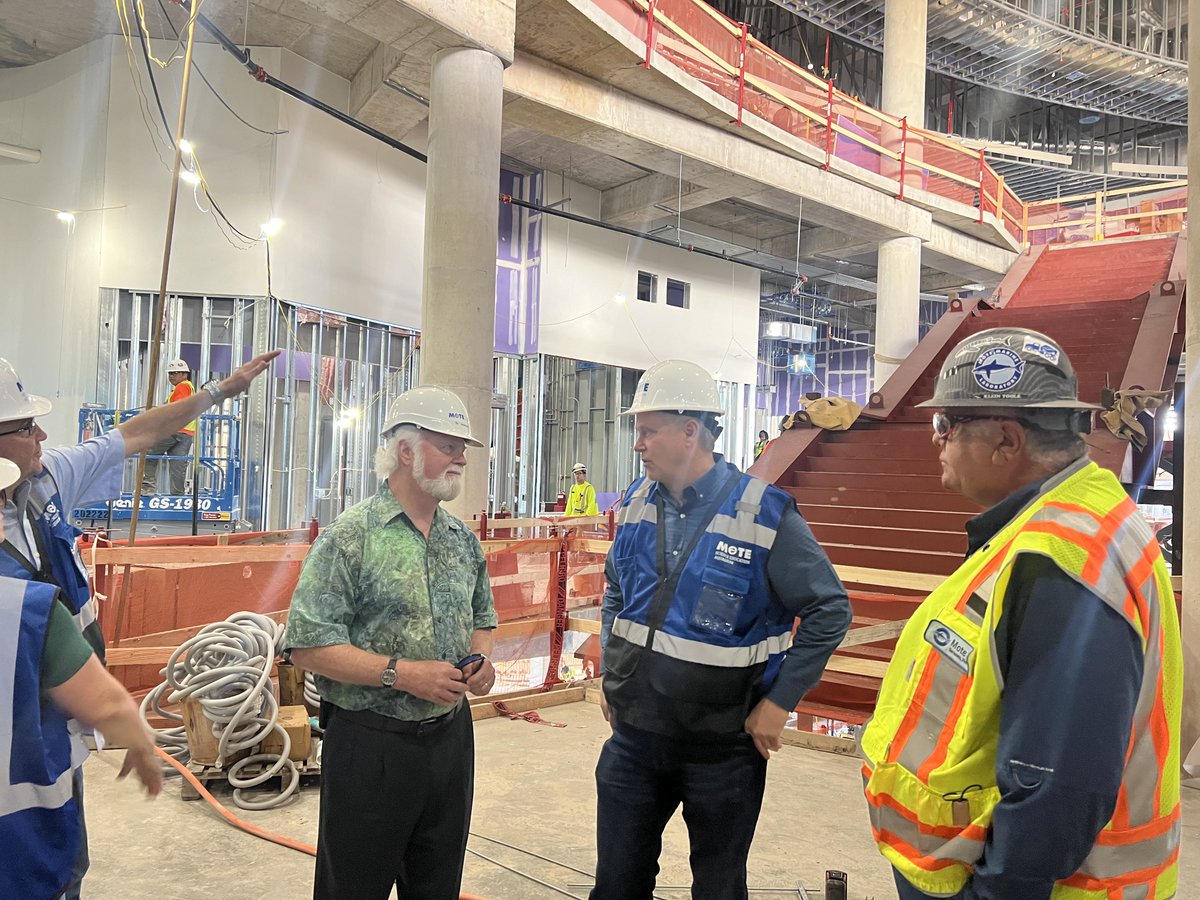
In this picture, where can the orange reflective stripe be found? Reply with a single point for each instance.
(938, 756)
(1120, 816)
(949, 832)
(1141, 876)
(1095, 549)
(1152, 829)
(1108, 529)
(912, 715)
(911, 853)
(1160, 735)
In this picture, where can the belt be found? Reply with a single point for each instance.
(379, 722)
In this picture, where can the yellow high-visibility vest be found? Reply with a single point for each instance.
(930, 748)
(582, 500)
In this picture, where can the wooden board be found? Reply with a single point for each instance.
(848, 665)
(173, 557)
(914, 581)
(483, 709)
(823, 742)
(587, 626)
(882, 632)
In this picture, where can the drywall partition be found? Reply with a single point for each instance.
(590, 310)
(48, 296)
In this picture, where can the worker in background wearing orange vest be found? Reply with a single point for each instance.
(582, 499)
(1025, 742)
(178, 444)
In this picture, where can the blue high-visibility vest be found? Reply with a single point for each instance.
(39, 821)
(695, 662)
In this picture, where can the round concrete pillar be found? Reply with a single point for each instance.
(898, 306)
(898, 279)
(461, 222)
(905, 23)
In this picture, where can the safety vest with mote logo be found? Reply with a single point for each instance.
(693, 662)
(930, 749)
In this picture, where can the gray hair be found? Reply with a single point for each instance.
(385, 457)
(704, 436)
(1053, 448)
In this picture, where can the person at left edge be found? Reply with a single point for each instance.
(40, 541)
(52, 673)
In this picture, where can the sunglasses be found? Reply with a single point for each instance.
(944, 423)
(23, 430)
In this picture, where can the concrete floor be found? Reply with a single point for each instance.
(534, 790)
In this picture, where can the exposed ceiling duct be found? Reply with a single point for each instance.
(993, 43)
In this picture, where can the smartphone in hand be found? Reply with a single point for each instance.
(468, 661)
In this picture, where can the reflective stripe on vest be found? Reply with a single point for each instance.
(930, 748)
(723, 634)
(39, 823)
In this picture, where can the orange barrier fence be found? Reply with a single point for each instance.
(177, 585)
(724, 56)
(884, 150)
(1125, 212)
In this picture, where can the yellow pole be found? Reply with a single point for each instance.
(1099, 236)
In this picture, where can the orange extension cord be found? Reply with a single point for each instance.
(245, 826)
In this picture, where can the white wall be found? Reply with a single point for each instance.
(584, 268)
(354, 211)
(353, 208)
(48, 292)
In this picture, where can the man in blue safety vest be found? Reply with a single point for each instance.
(709, 571)
(39, 540)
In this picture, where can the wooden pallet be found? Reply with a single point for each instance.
(218, 776)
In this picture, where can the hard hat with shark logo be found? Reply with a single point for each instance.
(1010, 368)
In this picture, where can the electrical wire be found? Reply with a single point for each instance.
(226, 669)
(204, 78)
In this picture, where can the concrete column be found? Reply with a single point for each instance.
(898, 305)
(898, 308)
(461, 222)
(1191, 427)
(905, 23)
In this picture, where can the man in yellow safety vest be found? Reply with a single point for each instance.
(582, 499)
(1025, 743)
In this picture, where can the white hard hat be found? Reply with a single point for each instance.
(14, 402)
(431, 408)
(178, 365)
(578, 467)
(9, 473)
(675, 385)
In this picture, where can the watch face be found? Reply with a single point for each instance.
(388, 677)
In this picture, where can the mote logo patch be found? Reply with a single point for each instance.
(734, 553)
(956, 649)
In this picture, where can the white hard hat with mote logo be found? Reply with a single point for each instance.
(434, 409)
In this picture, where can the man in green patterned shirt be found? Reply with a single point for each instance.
(393, 600)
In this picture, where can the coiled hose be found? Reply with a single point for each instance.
(226, 668)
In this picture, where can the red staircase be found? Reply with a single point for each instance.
(1104, 270)
(873, 495)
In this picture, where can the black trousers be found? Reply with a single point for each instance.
(395, 809)
(641, 779)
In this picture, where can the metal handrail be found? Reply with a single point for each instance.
(999, 201)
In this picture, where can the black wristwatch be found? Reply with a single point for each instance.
(388, 677)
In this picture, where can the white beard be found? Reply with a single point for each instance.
(440, 489)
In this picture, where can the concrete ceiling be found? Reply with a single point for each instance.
(385, 50)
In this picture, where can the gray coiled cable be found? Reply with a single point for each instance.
(226, 668)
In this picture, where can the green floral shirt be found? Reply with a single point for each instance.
(373, 581)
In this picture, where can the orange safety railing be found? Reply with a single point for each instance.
(1102, 214)
(879, 148)
(862, 141)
